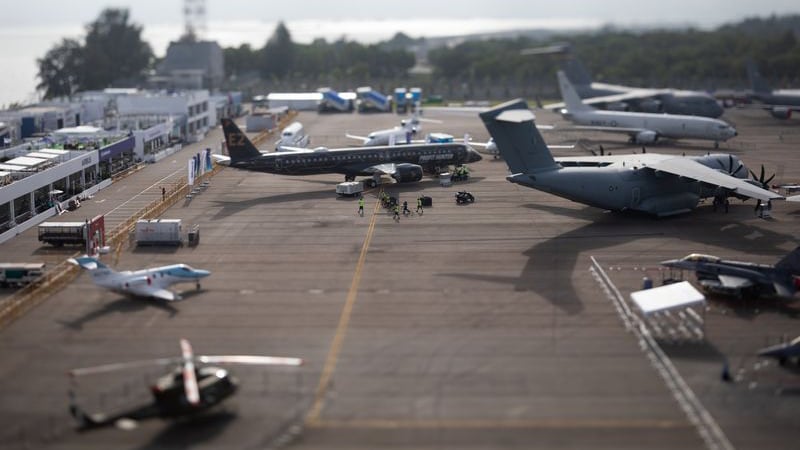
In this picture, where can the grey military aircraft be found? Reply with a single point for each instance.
(743, 278)
(626, 98)
(652, 183)
(779, 103)
(405, 163)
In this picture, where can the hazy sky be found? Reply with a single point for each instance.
(30, 29)
(698, 12)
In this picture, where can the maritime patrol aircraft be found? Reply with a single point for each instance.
(626, 98)
(780, 103)
(404, 163)
(643, 128)
(740, 278)
(653, 183)
(151, 283)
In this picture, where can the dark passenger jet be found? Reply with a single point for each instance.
(404, 163)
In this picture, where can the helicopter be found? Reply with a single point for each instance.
(191, 387)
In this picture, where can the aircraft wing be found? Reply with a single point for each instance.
(388, 169)
(733, 282)
(153, 291)
(688, 168)
(633, 94)
(357, 137)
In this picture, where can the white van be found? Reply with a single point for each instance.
(292, 136)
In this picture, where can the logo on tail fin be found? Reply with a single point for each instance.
(239, 146)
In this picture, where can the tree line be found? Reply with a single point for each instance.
(112, 53)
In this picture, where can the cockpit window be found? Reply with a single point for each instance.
(699, 257)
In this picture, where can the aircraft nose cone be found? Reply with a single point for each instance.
(202, 273)
(474, 156)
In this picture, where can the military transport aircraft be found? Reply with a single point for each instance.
(404, 163)
(189, 389)
(743, 278)
(779, 103)
(653, 183)
(626, 98)
(141, 283)
(642, 127)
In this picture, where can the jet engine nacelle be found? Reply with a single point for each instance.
(138, 281)
(617, 106)
(406, 173)
(781, 113)
(646, 137)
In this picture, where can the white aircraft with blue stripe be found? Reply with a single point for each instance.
(151, 283)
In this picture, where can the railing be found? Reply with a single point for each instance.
(55, 279)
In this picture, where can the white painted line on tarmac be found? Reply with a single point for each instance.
(698, 415)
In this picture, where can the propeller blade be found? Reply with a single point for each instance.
(189, 376)
(122, 366)
(762, 175)
(250, 359)
(730, 164)
(766, 182)
(738, 168)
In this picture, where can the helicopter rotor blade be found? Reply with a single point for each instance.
(249, 359)
(122, 366)
(189, 376)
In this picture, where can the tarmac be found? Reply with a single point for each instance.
(486, 325)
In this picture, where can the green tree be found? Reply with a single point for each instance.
(277, 56)
(114, 51)
(59, 69)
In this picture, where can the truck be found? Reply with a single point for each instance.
(89, 233)
(158, 232)
(20, 274)
(350, 188)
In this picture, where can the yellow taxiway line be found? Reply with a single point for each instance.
(341, 330)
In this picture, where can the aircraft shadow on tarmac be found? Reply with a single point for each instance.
(749, 309)
(232, 207)
(122, 305)
(192, 431)
(552, 260)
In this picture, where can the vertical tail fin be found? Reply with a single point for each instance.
(239, 146)
(757, 81)
(790, 262)
(576, 72)
(571, 98)
(512, 127)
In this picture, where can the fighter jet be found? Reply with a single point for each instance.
(783, 352)
(743, 278)
(653, 183)
(141, 283)
(405, 163)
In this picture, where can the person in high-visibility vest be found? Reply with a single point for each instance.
(419, 205)
(396, 211)
(361, 206)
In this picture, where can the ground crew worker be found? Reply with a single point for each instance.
(163, 193)
(406, 211)
(396, 211)
(419, 205)
(361, 206)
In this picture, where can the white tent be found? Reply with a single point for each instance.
(668, 310)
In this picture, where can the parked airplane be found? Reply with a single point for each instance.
(743, 278)
(141, 283)
(292, 136)
(626, 98)
(643, 128)
(779, 103)
(783, 352)
(401, 134)
(649, 182)
(404, 163)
